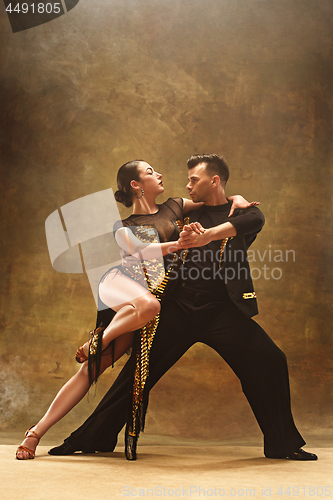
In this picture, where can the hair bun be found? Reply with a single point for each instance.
(123, 198)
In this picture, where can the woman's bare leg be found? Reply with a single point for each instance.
(134, 307)
(72, 392)
(137, 308)
(131, 317)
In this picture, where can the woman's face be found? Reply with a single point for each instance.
(150, 181)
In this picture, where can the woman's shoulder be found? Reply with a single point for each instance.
(174, 204)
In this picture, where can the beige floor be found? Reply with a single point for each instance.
(165, 468)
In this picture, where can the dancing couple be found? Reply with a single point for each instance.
(211, 302)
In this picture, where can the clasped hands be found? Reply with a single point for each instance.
(195, 235)
(192, 235)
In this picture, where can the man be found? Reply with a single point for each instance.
(213, 304)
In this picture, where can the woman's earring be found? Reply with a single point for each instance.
(139, 197)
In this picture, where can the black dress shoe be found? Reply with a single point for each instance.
(65, 448)
(302, 455)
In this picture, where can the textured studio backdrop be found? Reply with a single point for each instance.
(115, 80)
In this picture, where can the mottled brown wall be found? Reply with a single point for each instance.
(116, 80)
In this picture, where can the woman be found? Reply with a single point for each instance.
(134, 305)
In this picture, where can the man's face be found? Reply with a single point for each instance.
(200, 184)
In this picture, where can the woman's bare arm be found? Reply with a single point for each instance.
(237, 202)
(133, 246)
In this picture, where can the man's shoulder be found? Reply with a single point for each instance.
(250, 214)
(241, 211)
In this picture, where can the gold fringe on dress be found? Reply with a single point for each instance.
(139, 403)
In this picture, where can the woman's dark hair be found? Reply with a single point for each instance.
(127, 173)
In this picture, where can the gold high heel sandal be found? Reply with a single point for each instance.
(29, 434)
(80, 356)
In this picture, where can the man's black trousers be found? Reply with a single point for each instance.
(190, 317)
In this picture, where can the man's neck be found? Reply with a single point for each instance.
(216, 199)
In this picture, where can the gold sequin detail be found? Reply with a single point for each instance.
(156, 273)
(147, 334)
(181, 225)
(141, 373)
(223, 244)
(249, 295)
(94, 340)
(147, 234)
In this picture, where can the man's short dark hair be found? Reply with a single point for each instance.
(215, 165)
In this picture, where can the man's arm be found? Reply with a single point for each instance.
(250, 221)
(190, 238)
(237, 202)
